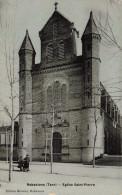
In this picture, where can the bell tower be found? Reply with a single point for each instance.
(26, 60)
(57, 39)
(91, 112)
(90, 47)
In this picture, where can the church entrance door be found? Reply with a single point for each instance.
(57, 147)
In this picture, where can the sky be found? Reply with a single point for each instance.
(33, 14)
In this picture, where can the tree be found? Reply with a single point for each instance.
(7, 26)
(107, 25)
(97, 118)
(51, 110)
(108, 22)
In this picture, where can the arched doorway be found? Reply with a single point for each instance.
(57, 147)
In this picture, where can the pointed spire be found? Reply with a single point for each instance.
(91, 26)
(27, 44)
(91, 15)
(26, 31)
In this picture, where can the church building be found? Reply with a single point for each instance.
(63, 107)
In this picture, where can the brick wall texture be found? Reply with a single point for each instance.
(60, 97)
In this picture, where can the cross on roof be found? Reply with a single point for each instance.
(55, 6)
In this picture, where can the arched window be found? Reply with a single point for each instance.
(61, 50)
(63, 97)
(49, 98)
(49, 52)
(55, 29)
(57, 94)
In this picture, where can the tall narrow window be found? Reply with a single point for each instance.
(119, 119)
(87, 127)
(55, 29)
(113, 112)
(61, 50)
(88, 95)
(57, 94)
(88, 142)
(50, 52)
(64, 97)
(116, 115)
(49, 98)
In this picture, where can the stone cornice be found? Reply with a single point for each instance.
(57, 69)
(70, 110)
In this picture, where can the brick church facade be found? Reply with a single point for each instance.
(61, 97)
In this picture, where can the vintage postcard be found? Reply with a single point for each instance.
(60, 97)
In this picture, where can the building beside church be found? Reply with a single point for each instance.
(62, 99)
(5, 142)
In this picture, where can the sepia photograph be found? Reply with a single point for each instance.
(60, 97)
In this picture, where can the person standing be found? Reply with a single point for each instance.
(20, 163)
(26, 163)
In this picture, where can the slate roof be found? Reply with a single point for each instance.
(91, 26)
(55, 14)
(27, 44)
